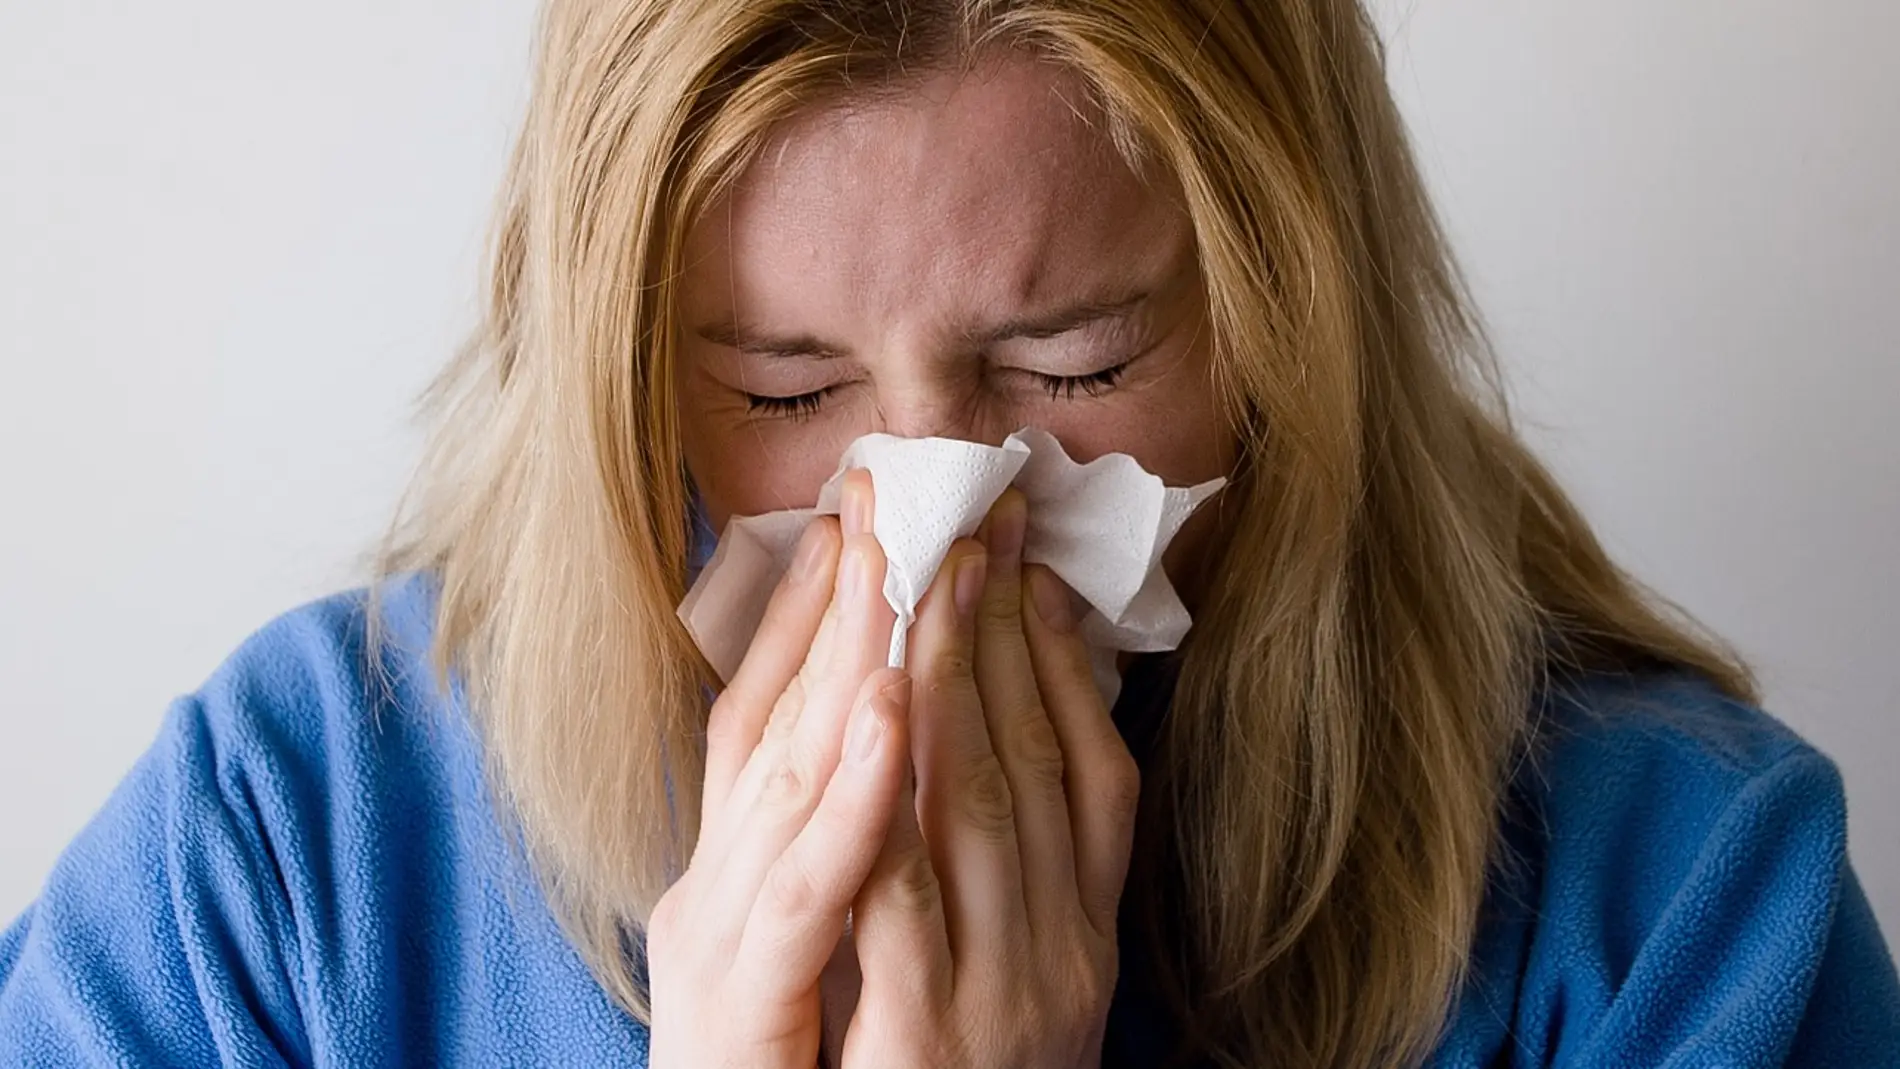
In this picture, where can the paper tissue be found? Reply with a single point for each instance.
(1101, 526)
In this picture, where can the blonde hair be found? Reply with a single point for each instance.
(1400, 577)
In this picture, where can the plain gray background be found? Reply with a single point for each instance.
(236, 238)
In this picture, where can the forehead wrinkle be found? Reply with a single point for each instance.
(862, 194)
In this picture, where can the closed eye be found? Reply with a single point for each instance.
(796, 407)
(1058, 387)
(1094, 384)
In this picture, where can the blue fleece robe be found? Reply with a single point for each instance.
(304, 869)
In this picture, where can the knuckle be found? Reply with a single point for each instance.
(1031, 1025)
(660, 921)
(1101, 900)
(663, 923)
(789, 784)
(793, 889)
(1120, 788)
(985, 802)
(1092, 983)
(912, 886)
(950, 666)
(1001, 606)
(1037, 753)
(725, 721)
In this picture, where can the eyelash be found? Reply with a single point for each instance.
(1058, 387)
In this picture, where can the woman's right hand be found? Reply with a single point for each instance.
(806, 752)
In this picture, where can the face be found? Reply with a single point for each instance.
(961, 259)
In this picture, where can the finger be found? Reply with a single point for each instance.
(853, 640)
(1102, 780)
(792, 619)
(963, 802)
(1020, 733)
(797, 914)
(801, 744)
(897, 921)
(862, 640)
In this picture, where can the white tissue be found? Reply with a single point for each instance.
(1100, 526)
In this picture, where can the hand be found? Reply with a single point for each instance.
(806, 754)
(986, 932)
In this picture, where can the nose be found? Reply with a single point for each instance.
(936, 408)
(915, 421)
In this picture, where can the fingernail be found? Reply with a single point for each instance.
(867, 512)
(856, 508)
(1007, 536)
(810, 549)
(1052, 600)
(969, 586)
(851, 577)
(896, 692)
(867, 730)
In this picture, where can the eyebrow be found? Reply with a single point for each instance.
(1063, 320)
(1041, 325)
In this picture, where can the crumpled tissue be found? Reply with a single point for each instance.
(1100, 526)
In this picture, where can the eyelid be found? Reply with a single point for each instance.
(1093, 384)
(1059, 387)
(784, 352)
(794, 407)
(1126, 355)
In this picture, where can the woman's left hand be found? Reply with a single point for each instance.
(985, 934)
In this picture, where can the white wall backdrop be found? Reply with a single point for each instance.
(235, 239)
(1682, 219)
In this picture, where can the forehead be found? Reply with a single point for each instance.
(995, 186)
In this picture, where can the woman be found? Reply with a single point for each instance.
(1430, 782)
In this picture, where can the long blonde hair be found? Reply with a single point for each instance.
(1399, 579)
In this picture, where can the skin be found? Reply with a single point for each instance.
(889, 265)
(958, 261)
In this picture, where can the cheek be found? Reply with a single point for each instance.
(736, 478)
(1170, 421)
(744, 466)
